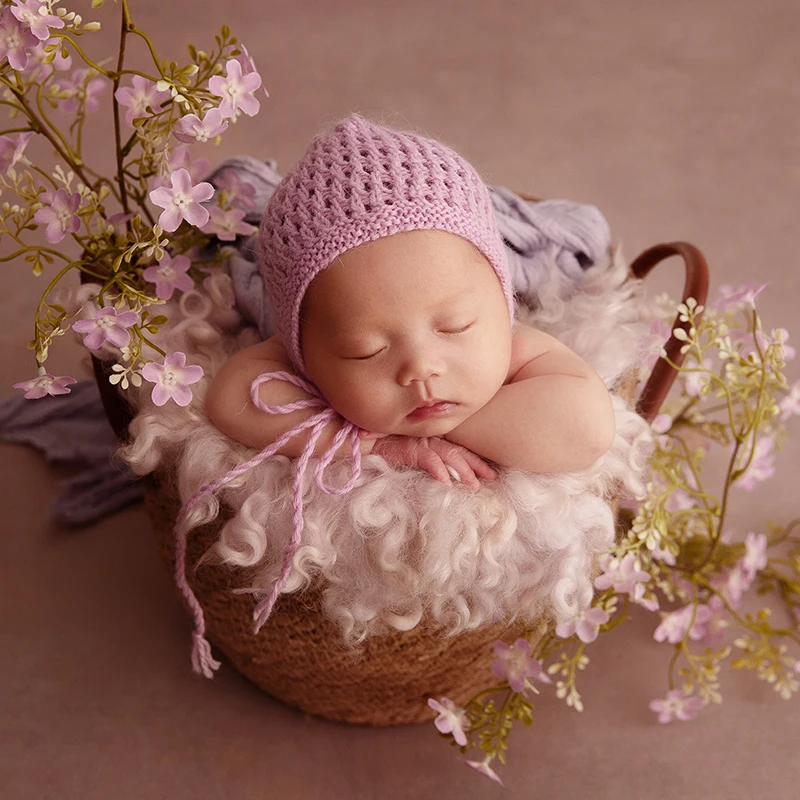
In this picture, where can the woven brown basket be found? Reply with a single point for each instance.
(298, 656)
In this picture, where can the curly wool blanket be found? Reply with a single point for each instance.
(401, 545)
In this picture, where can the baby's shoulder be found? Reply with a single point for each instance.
(271, 349)
(527, 344)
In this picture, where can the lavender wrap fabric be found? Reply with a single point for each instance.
(73, 429)
(574, 236)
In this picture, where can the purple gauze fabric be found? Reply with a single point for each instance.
(73, 430)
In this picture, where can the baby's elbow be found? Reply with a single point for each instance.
(600, 430)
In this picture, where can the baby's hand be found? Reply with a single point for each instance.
(441, 459)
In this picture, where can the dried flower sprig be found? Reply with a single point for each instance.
(104, 226)
(678, 548)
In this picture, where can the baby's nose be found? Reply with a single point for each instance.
(419, 367)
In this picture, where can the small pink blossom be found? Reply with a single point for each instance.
(733, 584)
(790, 405)
(450, 720)
(675, 624)
(778, 336)
(661, 424)
(169, 275)
(37, 71)
(730, 297)
(586, 625)
(676, 705)
(16, 40)
(34, 14)
(83, 93)
(679, 500)
(193, 129)
(236, 90)
(484, 769)
(693, 382)
(662, 554)
(11, 150)
(59, 216)
(622, 574)
(249, 66)
(514, 664)
(762, 467)
(239, 193)
(226, 225)
(755, 554)
(638, 596)
(141, 99)
(106, 325)
(172, 379)
(182, 201)
(716, 623)
(45, 384)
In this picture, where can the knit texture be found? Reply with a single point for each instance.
(356, 183)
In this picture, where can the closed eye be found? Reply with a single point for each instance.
(365, 358)
(462, 329)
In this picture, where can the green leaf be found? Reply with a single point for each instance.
(226, 31)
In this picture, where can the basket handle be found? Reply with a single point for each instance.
(695, 285)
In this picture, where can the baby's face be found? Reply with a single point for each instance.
(409, 334)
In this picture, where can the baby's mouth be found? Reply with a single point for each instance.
(432, 409)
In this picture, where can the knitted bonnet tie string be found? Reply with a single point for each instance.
(202, 661)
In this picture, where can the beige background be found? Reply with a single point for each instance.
(681, 120)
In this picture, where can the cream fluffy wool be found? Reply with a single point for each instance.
(401, 545)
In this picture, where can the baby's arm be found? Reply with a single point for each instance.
(553, 414)
(229, 407)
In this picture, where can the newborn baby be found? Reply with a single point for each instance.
(390, 291)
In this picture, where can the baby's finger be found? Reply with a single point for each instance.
(435, 467)
(466, 474)
(479, 466)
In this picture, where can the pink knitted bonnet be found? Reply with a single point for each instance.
(356, 183)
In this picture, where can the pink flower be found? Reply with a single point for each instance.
(60, 216)
(16, 40)
(755, 554)
(106, 325)
(239, 193)
(791, 403)
(586, 625)
(169, 275)
(676, 705)
(37, 71)
(45, 384)
(778, 336)
(30, 12)
(694, 382)
(623, 574)
(248, 65)
(236, 90)
(733, 585)
(83, 93)
(733, 297)
(227, 224)
(762, 467)
(11, 150)
(515, 664)
(484, 768)
(141, 100)
(172, 379)
(450, 720)
(638, 597)
(182, 201)
(675, 624)
(716, 624)
(193, 129)
(664, 555)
